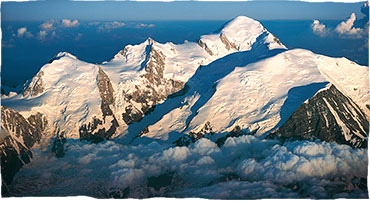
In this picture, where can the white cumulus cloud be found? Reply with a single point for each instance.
(319, 28)
(346, 28)
(22, 32)
(111, 25)
(142, 25)
(49, 25)
(116, 24)
(69, 23)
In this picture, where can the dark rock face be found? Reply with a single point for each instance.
(13, 156)
(156, 88)
(18, 136)
(184, 141)
(91, 132)
(155, 66)
(204, 45)
(194, 136)
(59, 145)
(328, 116)
(229, 45)
(277, 40)
(236, 132)
(36, 86)
(28, 130)
(132, 115)
(106, 92)
(207, 129)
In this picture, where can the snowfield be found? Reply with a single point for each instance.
(253, 96)
(70, 96)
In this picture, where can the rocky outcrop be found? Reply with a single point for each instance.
(207, 129)
(106, 93)
(229, 45)
(204, 45)
(58, 147)
(193, 136)
(17, 136)
(132, 114)
(155, 88)
(36, 86)
(329, 116)
(277, 40)
(101, 128)
(155, 66)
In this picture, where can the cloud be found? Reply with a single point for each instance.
(142, 25)
(49, 25)
(68, 23)
(319, 28)
(22, 32)
(42, 35)
(108, 26)
(346, 28)
(115, 24)
(111, 25)
(49, 29)
(245, 167)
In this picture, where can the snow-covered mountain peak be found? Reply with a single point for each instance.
(242, 23)
(244, 31)
(64, 54)
(62, 65)
(149, 41)
(239, 34)
(135, 53)
(65, 91)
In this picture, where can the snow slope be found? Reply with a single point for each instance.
(66, 90)
(254, 96)
(242, 76)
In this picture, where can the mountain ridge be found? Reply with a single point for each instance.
(242, 80)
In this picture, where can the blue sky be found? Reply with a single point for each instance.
(190, 10)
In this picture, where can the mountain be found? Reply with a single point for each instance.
(239, 80)
(97, 102)
(259, 95)
(238, 34)
(18, 135)
(322, 117)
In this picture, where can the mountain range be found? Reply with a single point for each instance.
(239, 80)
